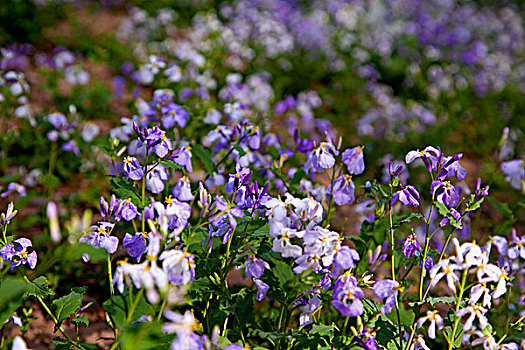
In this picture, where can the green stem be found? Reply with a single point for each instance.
(164, 302)
(427, 241)
(452, 335)
(328, 213)
(131, 310)
(110, 276)
(392, 243)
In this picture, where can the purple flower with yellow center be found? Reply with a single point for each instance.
(182, 157)
(444, 192)
(14, 187)
(411, 245)
(346, 296)
(240, 178)
(429, 155)
(182, 190)
(343, 190)
(226, 210)
(17, 253)
(387, 289)
(455, 214)
(321, 158)
(128, 210)
(99, 236)
(408, 196)
(367, 339)
(354, 160)
(254, 267)
(132, 169)
(136, 244)
(173, 113)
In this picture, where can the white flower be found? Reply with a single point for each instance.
(475, 311)
(447, 270)
(435, 319)
(477, 291)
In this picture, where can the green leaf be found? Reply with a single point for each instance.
(82, 319)
(11, 294)
(125, 189)
(107, 151)
(145, 336)
(117, 307)
(445, 211)
(473, 205)
(205, 157)
(49, 181)
(434, 301)
(170, 164)
(39, 287)
(240, 150)
(68, 304)
(283, 272)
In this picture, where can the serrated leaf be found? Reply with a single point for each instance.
(473, 205)
(434, 301)
(170, 164)
(205, 157)
(124, 190)
(39, 287)
(82, 319)
(445, 211)
(68, 304)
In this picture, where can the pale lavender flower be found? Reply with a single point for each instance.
(353, 159)
(435, 319)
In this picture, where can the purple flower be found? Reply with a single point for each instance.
(346, 296)
(429, 155)
(367, 340)
(452, 167)
(128, 210)
(132, 169)
(226, 210)
(6, 218)
(254, 267)
(99, 236)
(71, 146)
(321, 158)
(387, 289)
(429, 264)
(344, 259)
(240, 178)
(155, 178)
(14, 187)
(18, 252)
(455, 214)
(307, 311)
(411, 245)
(112, 209)
(408, 196)
(444, 192)
(262, 289)
(182, 190)
(514, 171)
(135, 245)
(182, 157)
(353, 159)
(343, 190)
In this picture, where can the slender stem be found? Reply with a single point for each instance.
(427, 241)
(452, 335)
(392, 244)
(131, 310)
(55, 320)
(328, 213)
(110, 276)
(164, 302)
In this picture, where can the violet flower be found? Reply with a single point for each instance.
(254, 267)
(411, 245)
(353, 159)
(444, 192)
(135, 245)
(387, 289)
(408, 196)
(18, 251)
(346, 296)
(132, 169)
(343, 190)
